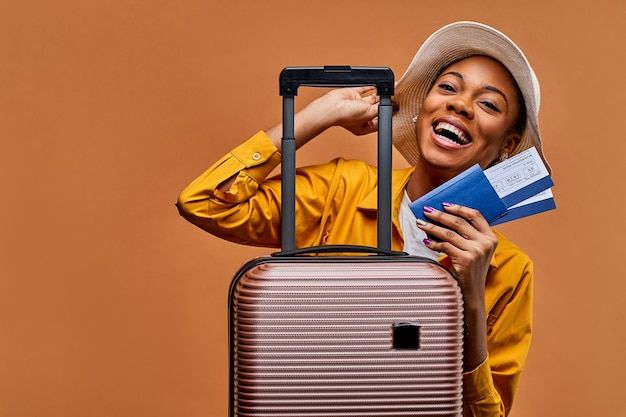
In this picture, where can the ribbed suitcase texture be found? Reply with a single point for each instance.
(315, 338)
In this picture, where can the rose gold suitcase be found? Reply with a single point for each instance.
(377, 335)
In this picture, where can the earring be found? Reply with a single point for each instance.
(414, 119)
(503, 156)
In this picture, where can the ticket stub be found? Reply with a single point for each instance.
(519, 177)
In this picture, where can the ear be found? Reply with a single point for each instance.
(510, 143)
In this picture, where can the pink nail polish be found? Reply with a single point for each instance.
(427, 242)
(428, 209)
(446, 204)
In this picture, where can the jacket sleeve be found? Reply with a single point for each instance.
(249, 211)
(489, 389)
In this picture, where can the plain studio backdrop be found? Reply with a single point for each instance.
(113, 305)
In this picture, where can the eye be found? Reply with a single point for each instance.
(447, 87)
(491, 106)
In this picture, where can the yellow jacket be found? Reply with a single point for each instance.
(336, 204)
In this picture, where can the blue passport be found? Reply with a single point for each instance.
(471, 188)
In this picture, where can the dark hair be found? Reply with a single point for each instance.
(520, 123)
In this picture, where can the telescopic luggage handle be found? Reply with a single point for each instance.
(335, 76)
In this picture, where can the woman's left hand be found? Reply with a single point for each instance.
(465, 236)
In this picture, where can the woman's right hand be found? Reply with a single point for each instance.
(355, 109)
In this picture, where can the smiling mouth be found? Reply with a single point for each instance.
(451, 133)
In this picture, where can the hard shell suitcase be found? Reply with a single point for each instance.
(376, 335)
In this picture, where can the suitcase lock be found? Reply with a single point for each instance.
(406, 336)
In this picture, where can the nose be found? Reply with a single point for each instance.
(462, 105)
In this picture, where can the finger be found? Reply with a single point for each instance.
(454, 222)
(371, 112)
(372, 98)
(471, 216)
(365, 89)
(443, 234)
(452, 251)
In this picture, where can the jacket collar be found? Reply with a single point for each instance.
(399, 179)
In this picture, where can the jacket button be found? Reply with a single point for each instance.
(256, 156)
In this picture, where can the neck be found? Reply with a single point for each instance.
(425, 178)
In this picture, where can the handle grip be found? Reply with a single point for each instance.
(336, 76)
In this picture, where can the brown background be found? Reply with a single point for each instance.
(112, 305)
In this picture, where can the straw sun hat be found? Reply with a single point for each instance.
(447, 45)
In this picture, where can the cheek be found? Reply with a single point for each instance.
(430, 102)
(492, 131)
(490, 148)
(422, 126)
(422, 129)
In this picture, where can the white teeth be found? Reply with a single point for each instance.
(458, 132)
(447, 139)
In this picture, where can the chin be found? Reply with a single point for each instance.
(446, 166)
(444, 159)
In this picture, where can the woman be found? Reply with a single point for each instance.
(468, 97)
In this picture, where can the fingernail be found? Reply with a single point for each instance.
(421, 222)
(446, 204)
(427, 242)
(428, 209)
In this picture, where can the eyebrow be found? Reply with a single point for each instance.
(485, 87)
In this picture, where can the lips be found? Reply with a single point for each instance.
(450, 133)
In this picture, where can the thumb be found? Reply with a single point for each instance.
(374, 124)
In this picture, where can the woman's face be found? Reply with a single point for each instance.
(468, 115)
